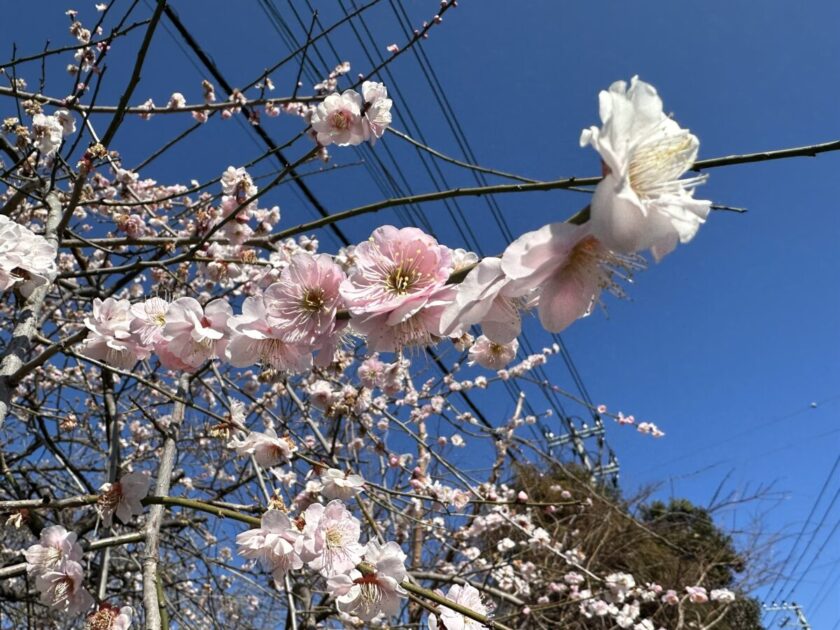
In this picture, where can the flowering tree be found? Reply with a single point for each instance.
(208, 421)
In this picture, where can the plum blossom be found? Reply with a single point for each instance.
(492, 355)
(109, 617)
(697, 594)
(567, 266)
(722, 595)
(110, 339)
(642, 203)
(123, 498)
(467, 596)
(193, 334)
(149, 320)
(331, 538)
(397, 291)
(485, 297)
(257, 338)
(340, 485)
(374, 592)
(56, 545)
(47, 132)
(305, 299)
(377, 110)
(25, 257)
(268, 449)
(276, 544)
(61, 588)
(338, 119)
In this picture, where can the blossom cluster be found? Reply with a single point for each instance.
(55, 563)
(27, 260)
(326, 539)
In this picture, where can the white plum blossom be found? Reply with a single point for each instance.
(340, 485)
(268, 449)
(123, 498)
(331, 538)
(276, 544)
(47, 132)
(61, 588)
(642, 203)
(366, 595)
(377, 110)
(56, 545)
(467, 596)
(338, 120)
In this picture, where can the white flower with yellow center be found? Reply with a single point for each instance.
(642, 203)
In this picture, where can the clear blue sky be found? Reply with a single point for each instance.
(728, 341)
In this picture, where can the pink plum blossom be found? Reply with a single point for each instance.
(642, 203)
(123, 498)
(722, 595)
(397, 291)
(466, 596)
(56, 545)
(306, 297)
(492, 355)
(193, 334)
(276, 544)
(257, 338)
(567, 266)
(379, 591)
(331, 538)
(268, 449)
(338, 119)
(61, 588)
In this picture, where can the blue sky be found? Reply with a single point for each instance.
(727, 342)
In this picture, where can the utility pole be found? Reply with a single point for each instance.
(792, 607)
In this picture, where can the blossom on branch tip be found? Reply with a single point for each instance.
(110, 339)
(642, 203)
